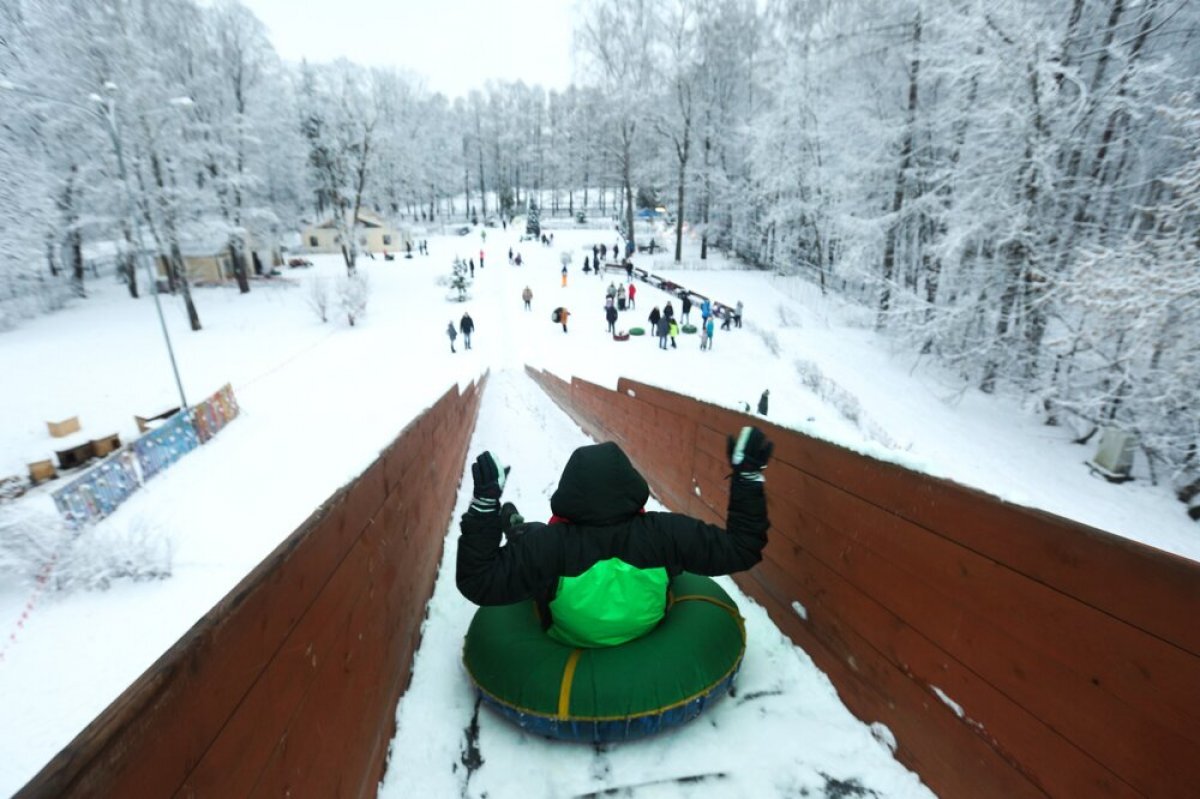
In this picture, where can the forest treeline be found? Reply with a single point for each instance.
(1011, 187)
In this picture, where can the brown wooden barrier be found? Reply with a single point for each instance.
(289, 685)
(1073, 654)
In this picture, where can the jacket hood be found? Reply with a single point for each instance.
(599, 486)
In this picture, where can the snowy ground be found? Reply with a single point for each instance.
(319, 401)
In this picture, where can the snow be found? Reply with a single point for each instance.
(319, 401)
(947, 701)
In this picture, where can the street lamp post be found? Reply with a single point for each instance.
(107, 110)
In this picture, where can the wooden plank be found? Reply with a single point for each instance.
(931, 739)
(1146, 675)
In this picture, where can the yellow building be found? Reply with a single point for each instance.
(207, 259)
(373, 233)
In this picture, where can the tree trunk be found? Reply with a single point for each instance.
(627, 128)
(906, 156)
(239, 268)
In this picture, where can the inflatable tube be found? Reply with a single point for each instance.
(660, 680)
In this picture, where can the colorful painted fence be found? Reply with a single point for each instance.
(97, 492)
(211, 416)
(162, 446)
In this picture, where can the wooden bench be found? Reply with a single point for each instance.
(143, 422)
(101, 447)
(41, 471)
(74, 456)
(64, 428)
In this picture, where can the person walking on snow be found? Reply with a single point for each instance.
(467, 326)
(663, 328)
(453, 334)
(709, 327)
(481, 259)
(527, 296)
(601, 570)
(510, 255)
(562, 317)
(705, 310)
(632, 294)
(610, 314)
(737, 315)
(564, 276)
(472, 262)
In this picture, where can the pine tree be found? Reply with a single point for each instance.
(533, 224)
(459, 281)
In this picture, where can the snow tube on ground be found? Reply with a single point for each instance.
(660, 680)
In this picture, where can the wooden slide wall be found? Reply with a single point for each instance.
(288, 687)
(1012, 653)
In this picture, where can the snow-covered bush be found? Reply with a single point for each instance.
(846, 404)
(318, 298)
(353, 292)
(38, 546)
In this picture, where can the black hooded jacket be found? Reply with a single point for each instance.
(602, 495)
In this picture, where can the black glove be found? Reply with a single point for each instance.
(510, 518)
(489, 476)
(749, 453)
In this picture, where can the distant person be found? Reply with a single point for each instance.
(708, 331)
(726, 315)
(674, 331)
(481, 259)
(467, 326)
(587, 268)
(632, 294)
(628, 270)
(610, 314)
(564, 276)
(762, 402)
(737, 314)
(654, 317)
(472, 263)
(452, 333)
(685, 309)
(510, 260)
(527, 296)
(663, 328)
(705, 310)
(604, 251)
(704, 336)
(669, 310)
(562, 318)
(518, 259)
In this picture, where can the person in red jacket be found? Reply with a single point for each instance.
(632, 294)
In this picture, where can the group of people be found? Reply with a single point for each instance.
(466, 326)
(664, 325)
(514, 260)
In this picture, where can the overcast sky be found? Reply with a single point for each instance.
(457, 45)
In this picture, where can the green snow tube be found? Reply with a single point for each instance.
(688, 328)
(660, 680)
